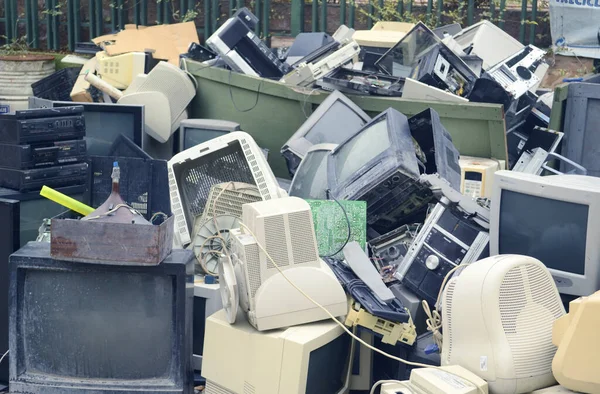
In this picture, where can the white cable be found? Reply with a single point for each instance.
(359, 340)
(380, 382)
(4, 355)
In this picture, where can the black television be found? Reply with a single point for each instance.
(9, 242)
(193, 132)
(35, 208)
(98, 328)
(104, 123)
(379, 165)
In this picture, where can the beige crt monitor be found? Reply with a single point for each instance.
(555, 219)
(311, 358)
(577, 337)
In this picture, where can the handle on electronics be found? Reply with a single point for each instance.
(103, 86)
(578, 168)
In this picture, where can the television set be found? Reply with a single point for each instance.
(9, 242)
(310, 180)
(334, 121)
(104, 123)
(100, 328)
(379, 165)
(35, 208)
(555, 219)
(193, 132)
(310, 358)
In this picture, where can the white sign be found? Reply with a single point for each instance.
(575, 27)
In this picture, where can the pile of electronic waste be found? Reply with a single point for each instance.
(412, 232)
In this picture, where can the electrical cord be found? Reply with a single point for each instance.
(4, 355)
(243, 227)
(110, 212)
(356, 338)
(347, 221)
(233, 101)
(380, 382)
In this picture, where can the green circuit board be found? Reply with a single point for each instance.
(331, 228)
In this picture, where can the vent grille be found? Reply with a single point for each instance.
(253, 266)
(260, 178)
(276, 242)
(529, 305)
(213, 388)
(302, 235)
(196, 177)
(447, 311)
(229, 198)
(248, 388)
(504, 76)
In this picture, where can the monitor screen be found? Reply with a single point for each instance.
(195, 136)
(552, 231)
(114, 317)
(327, 366)
(105, 122)
(336, 125)
(103, 128)
(361, 149)
(400, 60)
(310, 181)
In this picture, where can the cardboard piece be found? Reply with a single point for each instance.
(80, 93)
(167, 41)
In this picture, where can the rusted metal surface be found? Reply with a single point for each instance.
(111, 243)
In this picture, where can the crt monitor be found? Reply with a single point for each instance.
(193, 132)
(100, 328)
(555, 219)
(35, 208)
(310, 181)
(335, 120)
(306, 359)
(104, 123)
(379, 165)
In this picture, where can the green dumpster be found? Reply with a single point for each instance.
(271, 112)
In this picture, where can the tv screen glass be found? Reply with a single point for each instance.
(326, 366)
(310, 180)
(103, 128)
(361, 149)
(400, 60)
(194, 136)
(552, 231)
(114, 316)
(336, 125)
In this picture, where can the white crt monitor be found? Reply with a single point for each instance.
(306, 359)
(555, 219)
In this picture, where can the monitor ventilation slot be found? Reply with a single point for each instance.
(248, 388)
(213, 388)
(253, 267)
(276, 241)
(528, 322)
(260, 180)
(447, 311)
(303, 246)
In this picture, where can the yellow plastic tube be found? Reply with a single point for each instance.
(66, 201)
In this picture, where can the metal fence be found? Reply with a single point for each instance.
(91, 18)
